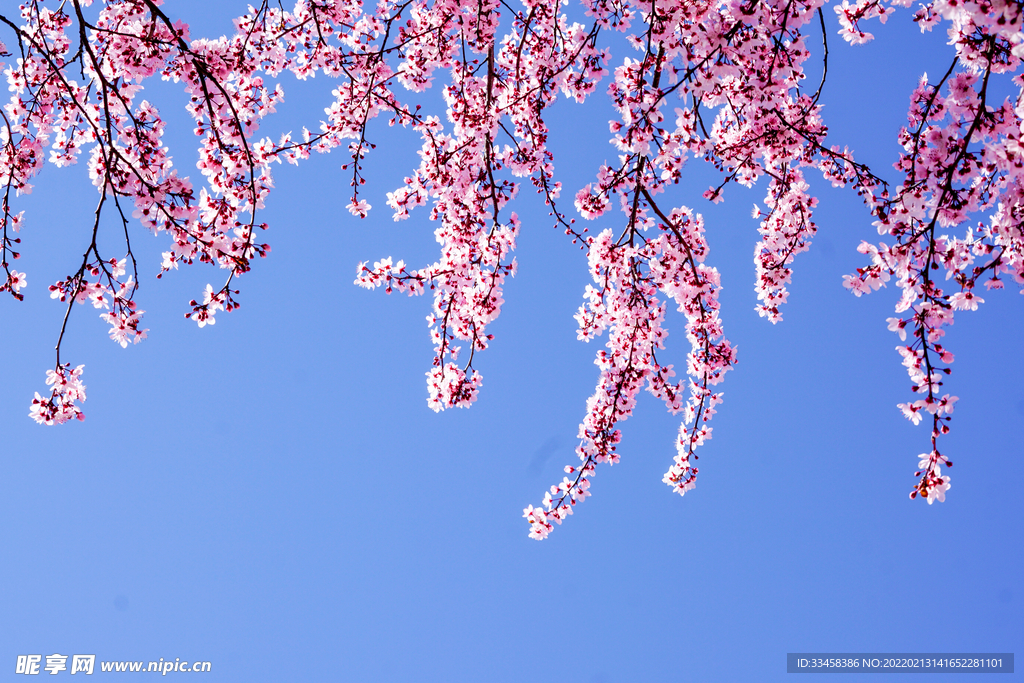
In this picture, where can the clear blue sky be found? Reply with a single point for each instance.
(272, 494)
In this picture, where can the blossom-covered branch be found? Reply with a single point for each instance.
(961, 161)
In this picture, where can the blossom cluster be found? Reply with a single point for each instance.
(746, 55)
(61, 404)
(961, 161)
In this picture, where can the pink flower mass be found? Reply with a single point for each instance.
(721, 81)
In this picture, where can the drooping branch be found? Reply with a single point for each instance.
(736, 70)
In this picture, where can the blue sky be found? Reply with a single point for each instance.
(273, 495)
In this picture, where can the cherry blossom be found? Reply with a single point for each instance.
(60, 406)
(721, 81)
(961, 168)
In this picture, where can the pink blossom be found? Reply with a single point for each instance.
(358, 208)
(937, 492)
(897, 325)
(16, 281)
